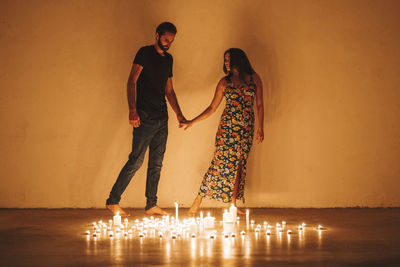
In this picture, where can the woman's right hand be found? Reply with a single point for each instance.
(186, 124)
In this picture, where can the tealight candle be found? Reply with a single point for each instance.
(87, 232)
(243, 233)
(268, 232)
(289, 232)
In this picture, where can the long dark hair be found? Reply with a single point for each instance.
(238, 60)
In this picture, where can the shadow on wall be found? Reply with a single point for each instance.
(255, 37)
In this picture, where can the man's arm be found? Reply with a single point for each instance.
(134, 119)
(173, 101)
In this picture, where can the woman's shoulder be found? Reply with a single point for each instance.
(224, 81)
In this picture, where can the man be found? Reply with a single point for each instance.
(151, 79)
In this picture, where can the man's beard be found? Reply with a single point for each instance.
(162, 47)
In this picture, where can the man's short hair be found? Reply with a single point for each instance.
(166, 27)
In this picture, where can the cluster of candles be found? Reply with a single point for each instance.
(172, 227)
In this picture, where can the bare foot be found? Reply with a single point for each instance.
(193, 211)
(116, 208)
(195, 206)
(240, 212)
(156, 210)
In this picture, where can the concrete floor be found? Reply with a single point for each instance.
(355, 237)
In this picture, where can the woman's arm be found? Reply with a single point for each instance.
(218, 95)
(260, 108)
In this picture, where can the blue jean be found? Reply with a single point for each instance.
(150, 134)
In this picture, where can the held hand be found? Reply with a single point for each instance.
(186, 124)
(134, 119)
(181, 119)
(260, 135)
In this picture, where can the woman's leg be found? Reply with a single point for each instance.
(195, 206)
(237, 180)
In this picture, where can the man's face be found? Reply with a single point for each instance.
(164, 41)
(227, 61)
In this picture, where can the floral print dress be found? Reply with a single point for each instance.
(223, 180)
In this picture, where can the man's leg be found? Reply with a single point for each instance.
(157, 148)
(141, 139)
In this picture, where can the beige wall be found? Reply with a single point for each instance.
(331, 76)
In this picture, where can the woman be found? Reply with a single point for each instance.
(225, 179)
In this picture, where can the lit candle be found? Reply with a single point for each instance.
(268, 232)
(247, 218)
(209, 222)
(233, 212)
(176, 211)
(117, 219)
(289, 232)
(226, 216)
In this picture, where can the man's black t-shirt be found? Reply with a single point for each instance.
(152, 81)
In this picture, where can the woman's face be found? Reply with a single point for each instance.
(227, 61)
